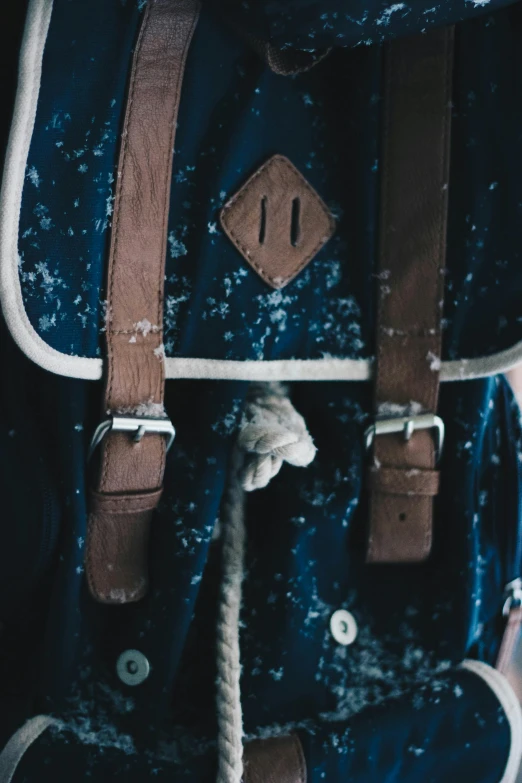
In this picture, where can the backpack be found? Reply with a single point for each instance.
(260, 284)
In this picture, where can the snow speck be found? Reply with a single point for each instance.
(176, 246)
(46, 322)
(34, 177)
(384, 18)
(434, 360)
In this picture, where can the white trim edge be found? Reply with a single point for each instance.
(511, 706)
(29, 78)
(19, 743)
(30, 342)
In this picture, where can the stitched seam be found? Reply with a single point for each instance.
(144, 337)
(442, 211)
(107, 447)
(401, 333)
(162, 261)
(241, 195)
(445, 173)
(168, 177)
(374, 511)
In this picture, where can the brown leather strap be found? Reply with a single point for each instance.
(414, 482)
(505, 659)
(275, 760)
(131, 474)
(417, 112)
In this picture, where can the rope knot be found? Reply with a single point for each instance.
(272, 432)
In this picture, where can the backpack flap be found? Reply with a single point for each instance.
(221, 318)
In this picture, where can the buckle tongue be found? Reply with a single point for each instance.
(408, 425)
(137, 425)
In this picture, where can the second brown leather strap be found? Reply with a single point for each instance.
(417, 115)
(131, 473)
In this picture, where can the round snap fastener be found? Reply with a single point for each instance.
(343, 627)
(132, 667)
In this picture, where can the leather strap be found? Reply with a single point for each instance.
(131, 474)
(508, 645)
(417, 115)
(275, 760)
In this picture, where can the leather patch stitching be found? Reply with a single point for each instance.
(280, 280)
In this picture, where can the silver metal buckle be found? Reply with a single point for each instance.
(139, 425)
(513, 593)
(408, 425)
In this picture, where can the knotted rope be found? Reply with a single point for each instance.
(272, 432)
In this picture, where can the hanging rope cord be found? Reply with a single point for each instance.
(271, 432)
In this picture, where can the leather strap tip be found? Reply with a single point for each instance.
(117, 596)
(379, 557)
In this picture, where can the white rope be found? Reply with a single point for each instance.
(272, 432)
(229, 713)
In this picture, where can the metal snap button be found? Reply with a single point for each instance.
(343, 627)
(132, 667)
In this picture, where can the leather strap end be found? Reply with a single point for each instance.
(117, 546)
(275, 760)
(404, 481)
(404, 532)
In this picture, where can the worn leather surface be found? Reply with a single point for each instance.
(275, 760)
(411, 285)
(131, 474)
(277, 221)
(397, 481)
(505, 659)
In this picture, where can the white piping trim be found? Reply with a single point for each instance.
(30, 342)
(511, 706)
(29, 78)
(274, 370)
(19, 743)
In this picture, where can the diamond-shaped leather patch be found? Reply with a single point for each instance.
(277, 221)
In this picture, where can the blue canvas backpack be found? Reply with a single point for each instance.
(260, 279)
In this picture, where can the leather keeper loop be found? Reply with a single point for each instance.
(124, 504)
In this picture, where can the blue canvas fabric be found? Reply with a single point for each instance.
(235, 113)
(394, 707)
(462, 732)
